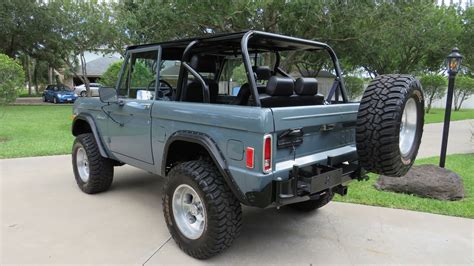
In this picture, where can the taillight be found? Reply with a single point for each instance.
(267, 153)
(249, 154)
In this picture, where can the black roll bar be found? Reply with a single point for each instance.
(182, 73)
(248, 64)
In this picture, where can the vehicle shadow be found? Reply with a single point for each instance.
(272, 231)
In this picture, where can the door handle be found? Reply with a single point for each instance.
(146, 106)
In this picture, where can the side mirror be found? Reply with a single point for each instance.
(108, 95)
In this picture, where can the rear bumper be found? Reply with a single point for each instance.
(309, 181)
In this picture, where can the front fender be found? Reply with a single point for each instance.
(77, 128)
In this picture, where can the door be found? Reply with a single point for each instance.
(129, 123)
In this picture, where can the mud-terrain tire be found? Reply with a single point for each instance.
(390, 124)
(311, 205)
(100, 173)
(221, 210)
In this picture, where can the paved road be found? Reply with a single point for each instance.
(461, 138)
(33, 101)
(46, 219)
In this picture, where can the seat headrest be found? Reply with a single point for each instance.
(262, 72)
(306, 86)
(205, 64)
(279, 86)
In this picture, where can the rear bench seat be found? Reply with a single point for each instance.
(283, 92)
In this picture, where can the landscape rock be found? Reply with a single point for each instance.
(429, 181)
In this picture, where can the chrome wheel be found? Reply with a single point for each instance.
(189, 212)
(408, 127)
(82, 163)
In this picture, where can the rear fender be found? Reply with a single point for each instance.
(214, 152)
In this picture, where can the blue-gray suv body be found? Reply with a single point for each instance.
(230, 120)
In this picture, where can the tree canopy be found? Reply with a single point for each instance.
(378, 37)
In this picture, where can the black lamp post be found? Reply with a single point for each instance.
(453, 64)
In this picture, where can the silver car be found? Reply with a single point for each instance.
(81, 89)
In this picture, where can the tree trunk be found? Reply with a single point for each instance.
(462, 98)
(84, 74)
(35, 76)
(50, 75)
(28, 73)
(430, 101)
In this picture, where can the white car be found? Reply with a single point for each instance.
(81, 89)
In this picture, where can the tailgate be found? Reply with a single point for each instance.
(306, 130)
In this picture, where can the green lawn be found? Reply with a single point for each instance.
(35, 130)
(363, 192)
(437, 115)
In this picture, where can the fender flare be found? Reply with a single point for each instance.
(90, 120)
(216, 155)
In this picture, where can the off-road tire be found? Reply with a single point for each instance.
(379, 121)
(223, 210)
(313, 204)
(101, 170)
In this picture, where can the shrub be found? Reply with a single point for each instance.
(110, 76)
(12, 77)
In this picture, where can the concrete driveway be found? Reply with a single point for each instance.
(46, 219)
(461, 138)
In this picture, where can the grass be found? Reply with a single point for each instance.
(364, 192)
(35, 130)
(24, 93)
(436, 115)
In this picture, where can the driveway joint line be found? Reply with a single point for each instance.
(156, 251)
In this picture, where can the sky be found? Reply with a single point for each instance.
(461, 2)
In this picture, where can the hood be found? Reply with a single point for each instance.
(65, 92)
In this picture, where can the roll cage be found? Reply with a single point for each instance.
(243, 44)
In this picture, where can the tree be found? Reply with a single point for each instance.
(111, 75)
(12, 77)
(82, 27)
(402, 36)
(434, 87)
(140, 77)
(464, 88)
(354, 87)
(22, 26)
(467, 37)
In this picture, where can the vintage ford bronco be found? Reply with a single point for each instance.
(233, 119)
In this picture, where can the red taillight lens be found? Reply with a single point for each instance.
(249, 154)
(267, 154)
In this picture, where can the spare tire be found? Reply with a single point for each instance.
(390, 124)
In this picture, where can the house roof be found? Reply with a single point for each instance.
(97, 67)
